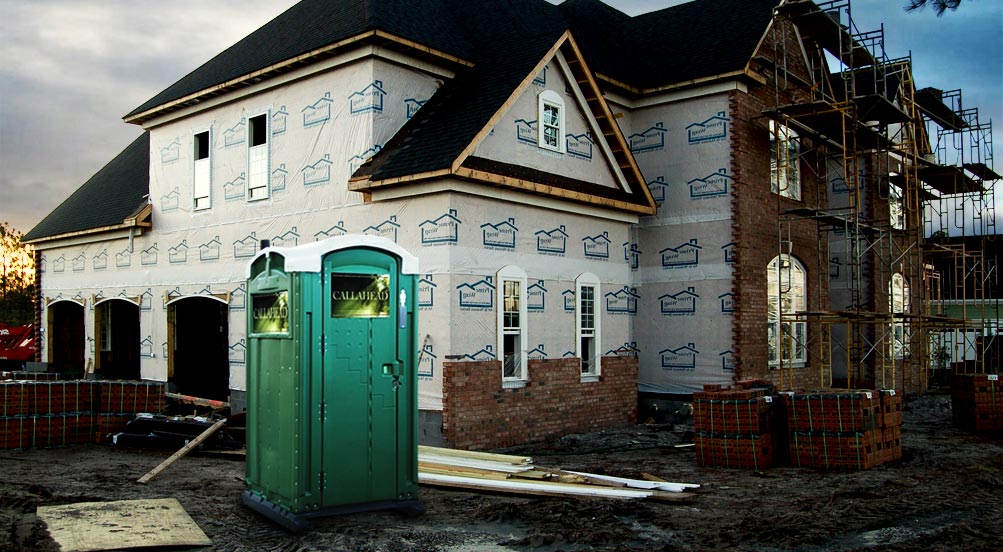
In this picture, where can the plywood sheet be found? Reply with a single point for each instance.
(89, 526)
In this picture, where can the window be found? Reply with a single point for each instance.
(786, 295)
(512, 319)
(896, 207)
(587, 329)
(104, 326)
(785, 172)
(899, 303)
(202, 181)
(257, 157)
(551, 117)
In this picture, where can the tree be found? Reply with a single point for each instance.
(939, 6)
(17, 278)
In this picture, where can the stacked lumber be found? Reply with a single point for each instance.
(977, 402)
(733, 428)
(518, 475)
(843, 429)
(41, 414)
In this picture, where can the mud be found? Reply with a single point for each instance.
(946, 493)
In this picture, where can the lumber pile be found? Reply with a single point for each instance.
(977, 402)
(518, 475)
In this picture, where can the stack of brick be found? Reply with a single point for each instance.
(29, 376)
(977, 402)
(734, 428)
(843, 429)
(42, 414)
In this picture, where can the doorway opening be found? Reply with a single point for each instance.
(198, 361)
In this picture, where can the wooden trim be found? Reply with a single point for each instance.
(422, 48)
(684, 84)
(49, 301)
(552, 191)
(515, 95)
(363, 184)
(97, 301)
(89, 231)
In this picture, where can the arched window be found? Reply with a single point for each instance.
(899, 304)
(588, 330)
(551, 121)
(786, 295)
(785, 151)
(512, 335)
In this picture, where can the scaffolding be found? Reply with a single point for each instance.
(901, 297)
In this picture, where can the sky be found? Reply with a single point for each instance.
(71, 69)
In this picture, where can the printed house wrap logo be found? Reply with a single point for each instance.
(319, 172)
(209, 251)
(727, 361)
(579, 145)
(478, 295)
(632, 255)
(356, 161)
(538, 353)
(541, 79)
(171, 152)
(123, 259)
(246, 247)
(426, 292)
(238, 298)
(554, 242)
(412, 106)
(368, 99)
(627, 349)
(148, 256)
(622, 301)
(79, 262)
(279, 178)
(525, 131)
(486, 353)
(279, 121)
(238, 352)
(727, 302)
(178, 253)
(712, 185)
(235, 135)
(682, 303)
(289, 238)
(500, 235)
(536, 297)
(146, 347)
(681, 358)
(711, 130)
(360, 295)
(682, 256)
(234, 189)
(835, 264)
(317, 112)
(596, 247)
(569, 300)
(100, 261)
(386, 229)
(444, 229)
(838, 185)
(730, 252)
(336, 230)
(658, 187)
(426, 362)
(170, 201)
(649, 140)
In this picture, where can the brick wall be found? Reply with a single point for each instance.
(478, 414)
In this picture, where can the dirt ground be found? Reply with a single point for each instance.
(945, 494)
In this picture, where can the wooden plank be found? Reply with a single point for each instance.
(536, 488)
(516, 460)
(181, 453)
(473, 463)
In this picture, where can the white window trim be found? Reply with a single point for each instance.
(896, 201)
(782, 135)
(587, 279)
(512, 273)
(268, 156)
(899, 350)
(208, 160)
(551, 98)
(800, 356)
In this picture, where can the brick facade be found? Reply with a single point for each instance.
(479, 414)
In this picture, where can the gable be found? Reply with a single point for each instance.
(515, 138)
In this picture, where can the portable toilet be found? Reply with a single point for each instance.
(331, 380)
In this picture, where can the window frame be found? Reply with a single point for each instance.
(899, 334)
(196, 170)
(776, 330)
(592, 372)
(896, 206)
(549, 98)
(262, 149)
(784, 134)
(517, 275)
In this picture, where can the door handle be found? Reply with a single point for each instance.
(392, 369)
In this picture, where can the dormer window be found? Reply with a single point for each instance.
(551, 118)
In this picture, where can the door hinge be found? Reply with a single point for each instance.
(321, 481)
(323, 411)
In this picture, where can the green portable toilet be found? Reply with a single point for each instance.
(331, 380)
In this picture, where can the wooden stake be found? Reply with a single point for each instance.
(179, 454)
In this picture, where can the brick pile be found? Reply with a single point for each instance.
(977, 402)
(29, 376)
(42, 414)
(734, 428)
(843, 429)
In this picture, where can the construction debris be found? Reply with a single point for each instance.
(518, 475)
(184, 450)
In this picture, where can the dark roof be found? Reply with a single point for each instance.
(694, 40)
(113, 194)
(313, 24)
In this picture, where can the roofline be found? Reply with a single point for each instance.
(745, 72)
(141, 219)
(286, 65)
